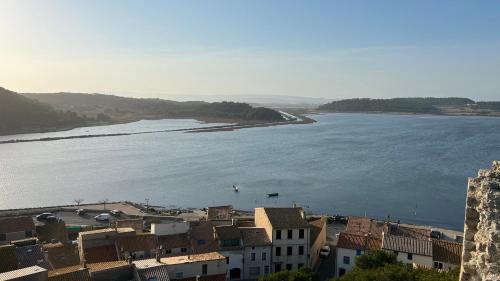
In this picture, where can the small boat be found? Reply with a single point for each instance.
(272, 194)
(235, 188)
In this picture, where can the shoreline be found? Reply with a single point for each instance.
(219, 128)
(409, 113)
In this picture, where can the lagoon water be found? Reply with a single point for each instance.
(413, 168)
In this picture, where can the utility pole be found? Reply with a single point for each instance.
(147, 205)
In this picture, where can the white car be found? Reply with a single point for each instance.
(102, 217)
(116, 213)
(325, 251)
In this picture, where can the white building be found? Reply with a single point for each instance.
(256, 252)
(169, 228)
(230, 246)
(289, 232)
(417, 252)
(349, 247)
(208, 266)
(446, 255)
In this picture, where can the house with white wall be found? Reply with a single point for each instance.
(289, 233)
(446, 255)
(230, 246)
(349, 247)
(207, 266)
(256, 252)
(417, 252)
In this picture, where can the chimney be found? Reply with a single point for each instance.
(233, 222)
(157, 256)
(295, 205)
(302, 214)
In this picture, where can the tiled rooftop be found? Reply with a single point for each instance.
(407, 245)
(16, 224)
(358, 242)
(254, 236)
(100, 254)
(20, 273)
(174, 241)
(446, 251)
(365, 226)
(136, 243)
(193, 258)
(281, 218)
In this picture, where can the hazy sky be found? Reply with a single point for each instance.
(332, 49)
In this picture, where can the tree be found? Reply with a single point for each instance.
(303, 274)
(375, 259)
(78, 201)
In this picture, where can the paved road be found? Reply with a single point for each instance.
(326, 269)
(71, 218)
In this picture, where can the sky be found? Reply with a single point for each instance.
(331, 49)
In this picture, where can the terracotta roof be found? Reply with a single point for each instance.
(316, 226)
(30, 256)
(358, 242)
(220, 212)
(16, 224)
(192, 258)
(254, 236)
(202, 237)
(407, 245)
(174, 241)
(20, 273)
(227, 232)
(136, 224)
(8, 261)
(101, 266)
(74, 273)
(62, 255)
(412, 232)
(445, 251)
(137, 243)
(365, 226)
(100, 254)
(281, 218)
(150, 268)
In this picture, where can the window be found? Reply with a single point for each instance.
(278, 251)
(183, 250)
(277, 267)
(358, 252)
(3, 237)
(396, 253)
(278, 234)
(410, 256)
(254, 271)
(204, 269)
(290, 234)
(289, 250)
(300, 265)
(288, 266)
(168, 251)
(227, 260)
(264, 256)
(266, 269)
(179, 275)
(347, 260)
(301, 233)
(301, 250)
(252, 257)
(438, 265)
(201, 242)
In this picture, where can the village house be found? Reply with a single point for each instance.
(230, 246)
(202, 267)
(223, 213)
(317, 241)
(100, 245)
(289, 233)
(417, 252)
(446, 255)
(257, 249)
(151, 270)
(140, 246)
(349, 247)
(32, 273)
(16, 228)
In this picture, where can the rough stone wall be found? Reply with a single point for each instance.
(481, 251)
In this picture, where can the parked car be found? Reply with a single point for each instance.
(325, 251)
(115, 213)
(81, 212)
(44, 216)
(51, 219)
(102, 217)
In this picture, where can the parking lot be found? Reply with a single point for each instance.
(70, 217)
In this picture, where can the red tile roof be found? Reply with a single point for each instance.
(202, 237)
(365, 226)
(16, 224)
(174, 241)
(407, 245)
(358, 242)
(8, 260)
(445, 251)
(137, 243)
(100, 254)
(281, 218)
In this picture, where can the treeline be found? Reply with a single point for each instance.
(18, 112)
(122, 108)
(404, 105)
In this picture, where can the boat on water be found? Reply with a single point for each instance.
(273, 194)
(235, 188)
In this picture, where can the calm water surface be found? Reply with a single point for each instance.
(414, 168)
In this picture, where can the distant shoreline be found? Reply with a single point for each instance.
(219, 128)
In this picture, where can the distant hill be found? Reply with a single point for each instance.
(123, 109)
(19, 113)
(447, 106)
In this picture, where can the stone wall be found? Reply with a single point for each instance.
(481, 251)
